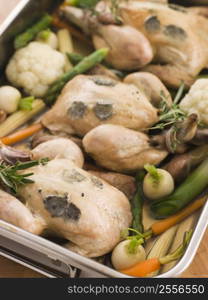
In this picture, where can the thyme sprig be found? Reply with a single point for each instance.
(12, 179)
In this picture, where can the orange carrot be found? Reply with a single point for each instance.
(143, 268)
(148, 266)
(161, 226)
(21, 134)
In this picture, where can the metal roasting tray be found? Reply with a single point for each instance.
(38, 253)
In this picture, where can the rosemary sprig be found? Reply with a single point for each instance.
(12, 179)
(170, 115)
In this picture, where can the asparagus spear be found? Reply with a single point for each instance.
(194, 184)
(23, 39)
(137, 203)
(74, 58)
(86, 64)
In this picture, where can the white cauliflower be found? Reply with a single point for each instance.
(35, 67)
(196, 101)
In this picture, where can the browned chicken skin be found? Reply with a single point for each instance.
(178, 39)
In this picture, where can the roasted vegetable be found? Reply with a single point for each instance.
(86, 64)
(23, 39)
(20, 117)
(157, 183)
(163, 225)
(21, 134)
(137, 203)
(181, 165)
(9, 99)
(128, 253)
(162, 245)
(194, 184)
(146, 267)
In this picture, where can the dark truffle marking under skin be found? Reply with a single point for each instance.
(104, 81)
(152, 24)
(55, 205)
(73, 176)
(77, 110)
(59, 207)
(103, 111)
(97, 182)
(175, 32)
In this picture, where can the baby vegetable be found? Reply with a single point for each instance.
(86, 64)
(163, 225)
(21, 134)
(146, 267)
(195, 183)
(196, 101)
(128, 253)
(157, 183)
(137, 204)
(65, 45)
(48, 37)
(35, 67)
(9, 99)
(26, 103)
(20, 117)
(23, 39)
(162, 245)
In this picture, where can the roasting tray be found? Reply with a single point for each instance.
(37, 253)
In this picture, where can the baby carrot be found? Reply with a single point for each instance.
(143, 268)
(146, 267)
(161, 226)
(21, 134)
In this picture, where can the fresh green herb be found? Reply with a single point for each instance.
(23, 39)
(170, 115)
(26, 103)
(12, 179)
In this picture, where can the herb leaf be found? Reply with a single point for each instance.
(11, 178)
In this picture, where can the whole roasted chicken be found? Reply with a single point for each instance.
(69, 202)
(89, 101)
(167, 40)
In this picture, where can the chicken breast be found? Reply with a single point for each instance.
(89, 101)
(59, 148)
(78, 206)
(120, 149)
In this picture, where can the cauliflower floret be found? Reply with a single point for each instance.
(35, 67)
(196, 101)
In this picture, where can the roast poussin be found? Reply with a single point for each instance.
(178, 40)
(120, 149)
(89, 101)
(69, 202)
